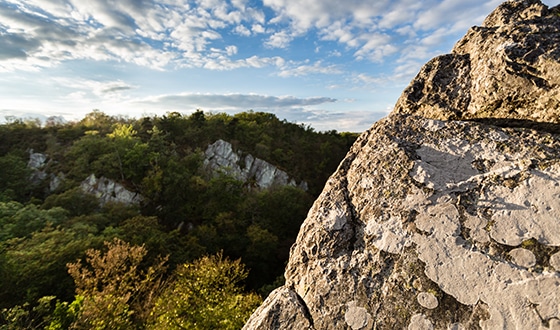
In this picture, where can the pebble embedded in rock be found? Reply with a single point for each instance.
(523, 257)
(427, 300)
(555, 261)
(554, 324)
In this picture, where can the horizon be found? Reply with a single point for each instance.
(326, 64)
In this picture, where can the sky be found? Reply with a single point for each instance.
(328, 64)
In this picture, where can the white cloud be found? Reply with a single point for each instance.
(231, 50)
(406, 70)
(36, 33)
(325, 120)
(376, 47)
(455, 14)
(338, 46)
(362, 78)
(298, 70)
(242, 30)
(257, 29)
(279, 40)
(376, 30)
(340, 32)
(92, 88)
(407, 31)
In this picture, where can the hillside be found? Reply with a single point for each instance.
(146, 184)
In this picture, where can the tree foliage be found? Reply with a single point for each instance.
(205, 294)
(14, 176)
(117, 293)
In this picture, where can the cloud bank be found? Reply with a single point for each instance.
(211, 34)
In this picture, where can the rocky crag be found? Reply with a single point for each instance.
(445, 214)
(221, 158)
(107, 190)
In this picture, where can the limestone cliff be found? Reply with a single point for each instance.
(220, 157)
(108, 190)
(445, 214)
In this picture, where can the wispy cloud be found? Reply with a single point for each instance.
(324, 120)
(147, 33)
(230, 101)
(95, 87)
(295, 69)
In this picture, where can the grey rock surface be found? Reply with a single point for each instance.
(37, 162)
(505, 71)
(281, 308)
(220, 157)
(109, 191)
(438, 221)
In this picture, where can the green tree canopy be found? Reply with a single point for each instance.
(205, 294)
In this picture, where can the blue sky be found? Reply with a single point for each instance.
(330, 64)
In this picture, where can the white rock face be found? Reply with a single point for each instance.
(506, 69)
(378, 227)
(36, 160)
(433, 222)
(109, 191)
(220, 156)
(529, 210)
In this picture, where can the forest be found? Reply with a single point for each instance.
(200, 251)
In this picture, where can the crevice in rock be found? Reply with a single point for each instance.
(305, 309)
(541, 251)
(553, 128)
(480, 312)
(356, 239)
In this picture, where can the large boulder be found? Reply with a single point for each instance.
(445, 214)
(507, 70)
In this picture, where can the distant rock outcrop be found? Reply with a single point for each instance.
(220, 157)
(105, 189)
(110, 191)
(37, 161)
(446, 214)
